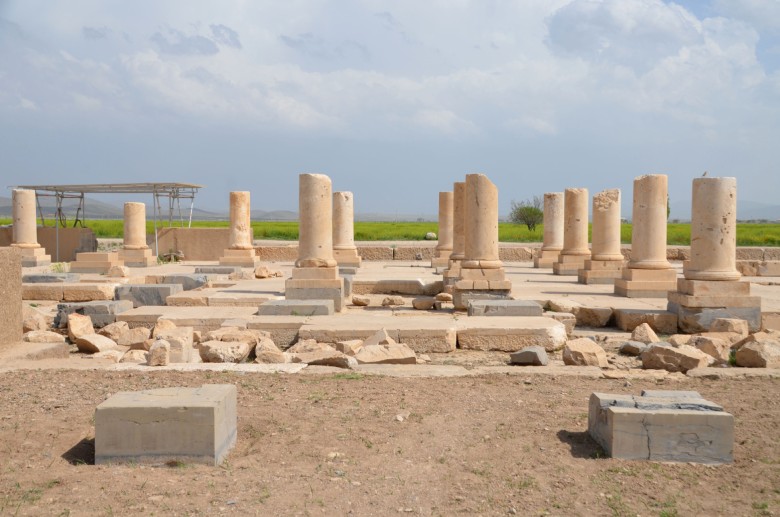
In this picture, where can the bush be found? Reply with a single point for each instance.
(528, 212)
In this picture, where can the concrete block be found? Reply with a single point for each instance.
(39, 278)
(10, 295)
(143, 294)
(102, 313)
(167, 424)
(296, 308)
(504, 308)
(187, 282)
(662, 426)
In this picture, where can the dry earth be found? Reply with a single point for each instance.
(345, 443)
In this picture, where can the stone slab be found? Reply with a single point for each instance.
(187, 282)
(662, 427)
(46, 278)
(296, 308)
(510, 335)
(200, 318)
(462, 297)
(10, 295)
(699, 319)
(43, 291)
(216, 270)
(631, 289)
(415, 287)
(598, 276)
(147, 294)
(712, 288)
(700, 301)
(650, 275)
(236, 298)
(102, 313)
(87, 292)
(663, 322)
(167, 424)
(336, 294)
(504, 308)
(189, 299)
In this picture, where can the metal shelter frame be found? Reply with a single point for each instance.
(174, 192)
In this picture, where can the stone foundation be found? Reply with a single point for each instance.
(95, 262)
(239, 258)
(646, 283)
(138, 258)
(600, 271)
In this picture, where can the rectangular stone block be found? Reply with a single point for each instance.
(317, 293)
(643, 289)
(138, 258)
(143, 294)
(84, 292)
(650, 275)
(42, 291)
(296, 308)
(663, 322)
(546, 259)
(712, 288)
(102, 313)
(49, 278)
(569, 265)
(188, 299)
(601, 276)
(462, 297)
(699, 301)
(510, 335)
(504, 308)
(200, 318)
(216, 270)
(482, 274)
(167, 424)
(10, 295)
(699, 319)
(769, 268)
(409, 287)
(187, 282)
(236, 299)
(180, 338)
(662, 426)
(315, 273)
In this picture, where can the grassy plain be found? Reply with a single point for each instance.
(748, 234)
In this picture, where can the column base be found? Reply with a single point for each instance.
(95, 262)
(451, 275)
(600, 271)
(646, 283)
(315, 283)
(698, 303)
(480, 284)
(347, 258)
(242, 258)
(138, 258)
(546, 258)
(569, 265)
(32, 257)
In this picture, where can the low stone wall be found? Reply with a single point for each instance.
(194, 243)
(71, 241)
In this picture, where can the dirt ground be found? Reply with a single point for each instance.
(347, 443)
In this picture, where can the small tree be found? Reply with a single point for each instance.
(528, 212)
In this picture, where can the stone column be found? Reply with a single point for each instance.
(240, 251)
(25, 229)
(575, 232)
(315, 276)
(452, 274)
(10, 295)
(606, 260)
(135, 251)
(446, 220)
(649, 274)
(482, 273)
(711, 288)
(552, 242)
(344, 249)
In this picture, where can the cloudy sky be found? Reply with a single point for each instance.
(394, 100)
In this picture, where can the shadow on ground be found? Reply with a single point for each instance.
(581, 444)
(83, 453)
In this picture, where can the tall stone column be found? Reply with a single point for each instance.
(575, 233)
(135, 251)
(452, 273)
(552, 242)
(240, 251)
(315, 275)
(344, 249)
(711, 288)
(25, 229)
(446, 220)
(10, 296)
(649, 274)
(482, 273)
(606, 260)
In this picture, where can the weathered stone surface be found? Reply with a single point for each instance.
(118, 271)
(78, 326)
(663, 322)
(730, 325)
(661, 426)
(529, 356)
(159, 353)
(382, 337)
(84, 292)
(714, 347)
(114, 331)
(264, 272)
(235, 334)
(324, 357)
(679, 339)
(32, 319)
(147, 294)
(134, 356)
(49, 278)
(765, 354)
(267, 352)
(584, 352)
(679, 359)
(43, 336)
(187, 282)
(397, 353)
(134, 338)
(443, 297)
(504, 308)
(633, 348)
(694, 319)
(392, 301)
(644, 334)
(181, 343)
(568, 320)
(349, 347)
(224, 351)
(102, 312)
(423, 304)
(360, 301)
(216, 270)
(161, 325)
(94, 343)
(296, 308)
(562, 305)
(112, 355)
(303, 346)
(595, 317)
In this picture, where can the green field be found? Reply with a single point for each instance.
(748, 234)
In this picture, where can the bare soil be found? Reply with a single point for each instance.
(341, 444)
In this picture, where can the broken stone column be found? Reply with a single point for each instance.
(315, 275)
(606, 260)
(452, 274)
(25, 229)
(10, 295)
(648, 274)
(482, 273)
(344, 249)
(711, 288)
(444, 247)
(135, 252)
(575, 233)
(241, 251)
(552, 242)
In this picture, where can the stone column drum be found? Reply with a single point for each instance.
(711, 288)
(25, 229)
(482, 273)
(452, 274)
(606, 260)
(552, 241)
(135, 252)
(241, 250)
(648, 274)
(444, 247)
(10, 296)
(344, 249)
(315, 275)
(575, 233)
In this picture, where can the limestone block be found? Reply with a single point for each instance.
(189, 299)
(391, 353)
(504, 308)
(679, 359)
(134, 356)
(568, 319)
(714, 347)
(267, 352)
(693, 319)
(187, 282)
(679, 339)
(644, 334)
(462, 297)
(102, 312)
(769, 268)
(143, 294)
(730, 325)
(79, 325)
(296, 308)
(663, 427)
(32, 319)
(711, 301)
(49, 278)
(134, 338)
(393, 301)
(167, 424)
(42, 291)
(349, 347)
(529, 356)
(317, 293)
(43, 336)
(88, 292)
(712, 288)
(594, 317)
(764, 354)
(216, 270)
(360, 301)
(662, 322)
(159, 353)
(633, 348)
(224, 351)
(181, 343)
(423, 303)
(508, 334)
(584, 352)
(94, 343)
(114, 331)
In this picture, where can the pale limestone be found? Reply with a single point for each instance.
(446, 229)
(43, 336)
(159, 353)
(94, 343)
(644, 334)
(344, 249)
(679, 359)
(584, 352)
(759, 355)
(79, 325)
(392, 353)
(224, 351)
